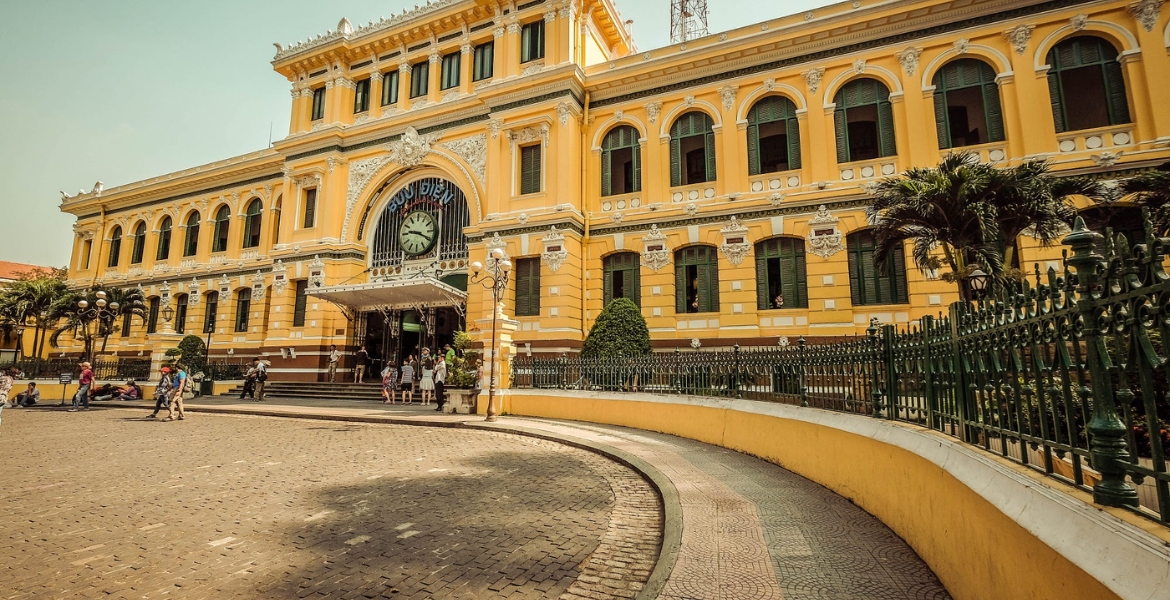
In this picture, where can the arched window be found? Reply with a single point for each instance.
(223, 220)
(276, 222)
(191, 241)
(621, 162)
(868, 283)
(115, 246)
(139, 247)
(967, 109)
(773, 136)
(864, 120)
(243, 308)
(692, 149)
(252, 224)
(164, 240)
(1086, 85)
(696, 280)
(623, 277)
(781, 279)
(152, 314)
(181, 313)
(212, 304)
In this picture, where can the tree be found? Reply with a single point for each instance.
(973, 212)
(131, 303)
(191, 353)
(29, 301)
(620, 330)
(1152, 190)
(79, 323)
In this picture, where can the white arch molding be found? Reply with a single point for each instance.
(998, 60)
(429, 166)
(612, 123)
(881, 74)
(1130, 43)
(683, 107)
(777, 89)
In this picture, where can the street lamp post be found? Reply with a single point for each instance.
(99, 312)
(495, 278)
(19, 330)
(978, 281)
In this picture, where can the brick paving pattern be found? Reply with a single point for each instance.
(105, 504)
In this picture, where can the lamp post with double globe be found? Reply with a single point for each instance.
(99, 312)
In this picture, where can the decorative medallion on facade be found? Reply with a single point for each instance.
(1146, 13)
(689, 101)
(279, 277)
(824, 239)
(493, 243)
(1019, 36)
(563, 113)
(908, 58)
(164, 294)
(812, 78)
(859, 65)
(225, 289)
(473, 151)
(412, 148)
(735, 244)
(655, 252)
(1106, 158)
(962, 45)
(695, 343)
(652, 111)
(258, 286)
(1079, 22)
(554, 254)
(777, 198)
(316, 272)
(691, 209)
(529, 134)
(727, 95)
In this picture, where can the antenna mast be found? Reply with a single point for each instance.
(688, 20)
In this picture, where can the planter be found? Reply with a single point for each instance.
(460, 401)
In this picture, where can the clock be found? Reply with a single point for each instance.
(418, 233)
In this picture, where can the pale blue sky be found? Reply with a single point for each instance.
(123, 90)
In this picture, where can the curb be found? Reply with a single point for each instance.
(671, 507)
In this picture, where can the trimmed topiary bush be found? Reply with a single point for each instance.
(191, 353)
(620, 330)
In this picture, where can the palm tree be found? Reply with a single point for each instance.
(973, 212)
(79, 322)
(131, 303)
(1152, 191)
(29, 300)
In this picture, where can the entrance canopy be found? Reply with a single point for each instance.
(421, 292)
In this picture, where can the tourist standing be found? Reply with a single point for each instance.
(389, 384)
(407, 383)
(449, 353)
(182, 382)
(359, 369)
(427, 381)
(85, 381)
(254, 380)
(441, 383)
(334, 357)
(162, 392)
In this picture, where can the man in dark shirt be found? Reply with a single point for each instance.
(359, 370)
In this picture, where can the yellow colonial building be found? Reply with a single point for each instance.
(720, 183)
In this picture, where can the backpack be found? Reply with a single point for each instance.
(262, 375)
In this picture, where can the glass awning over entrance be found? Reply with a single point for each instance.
(421, 292)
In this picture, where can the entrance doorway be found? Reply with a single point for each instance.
(393, 336)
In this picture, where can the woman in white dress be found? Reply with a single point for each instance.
(427, 383)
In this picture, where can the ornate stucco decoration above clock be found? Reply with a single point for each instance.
(824, 239)
(412, 148)
(655, 251)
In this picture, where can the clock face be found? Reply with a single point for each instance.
(418, 233)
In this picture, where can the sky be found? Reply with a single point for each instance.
(124, 90)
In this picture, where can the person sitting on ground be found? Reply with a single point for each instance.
(130, 391)
(28, 397)
(105, 392)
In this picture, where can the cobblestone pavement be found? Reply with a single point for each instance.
(105, 504)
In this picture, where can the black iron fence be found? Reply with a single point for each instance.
(137, 369)
(1066, 373)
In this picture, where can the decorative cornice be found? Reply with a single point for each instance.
(347, 32)
(264, 178)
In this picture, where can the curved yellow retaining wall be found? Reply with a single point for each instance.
(975, 549)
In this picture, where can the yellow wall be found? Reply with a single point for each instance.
(976, 550)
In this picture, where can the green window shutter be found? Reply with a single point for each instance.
(793, 143)
(898, 276)
(607, 286)
(854, 273)
(709, 150)
(1115, 89)
(763, 302)
(712, 279)
(941, 125)
(606, 174)
(994, 112)
(1055, 97)
(637, 167)
(842, 137)
(635, 291)
(801, 275)
(886, 128)
(753, 148)
(680, 283)
(675, 161)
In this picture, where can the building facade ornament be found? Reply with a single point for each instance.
(498, 32)
(494, 126)
(550, 15)
(619, 115)
(433, 57)
(777, 198)
(727, 95)
(908, 58)
(224, 285)
(491, 245)
(554, 254)
(1146, 13)
(360, 172)
(258, 286)
(1019, 36)
(346, 30)
(1079, 22)
(529, 134)
(735, 244)
(316, 272)
(412, 148)
(652, 111)
(655, 252)
(769, 85)
(824, 238)
(812, 78)
(279, 277)
(962, 45)
(691, 209)
(563, 113)
(514, 26)
(473, 151)
(532, 68)
(859, 65)
(689, 101)
(1106, 158)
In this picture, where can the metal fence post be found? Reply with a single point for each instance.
(891, 374)
(1107, 434)
(963, 395)
(871, 334)
(803, 381)
(926, 327)
(735, 376)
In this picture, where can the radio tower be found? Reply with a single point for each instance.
(688, 20)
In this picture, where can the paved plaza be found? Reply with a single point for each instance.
(256, 505)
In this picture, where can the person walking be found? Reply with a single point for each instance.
(162, 392)
(5, 386)
(359, 369)
(389, 384)
(407, 380)
(85, 381)
(182, 382)
(427, 381)
(441, 383)
(334, 357)
(261, 377)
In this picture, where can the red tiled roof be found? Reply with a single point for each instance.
(11, 270)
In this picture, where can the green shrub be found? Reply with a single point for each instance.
(620, 330)
(191, 353)
(462, 371)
